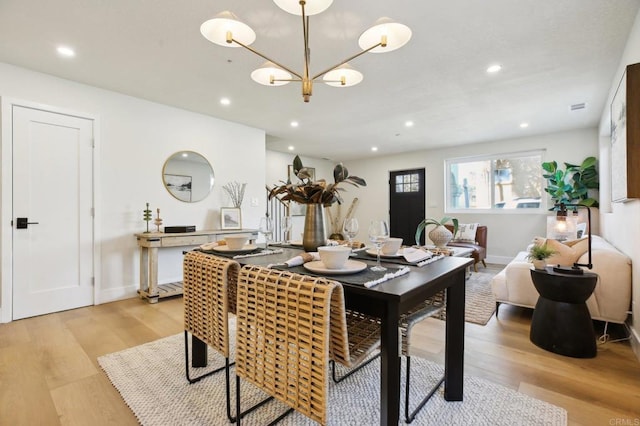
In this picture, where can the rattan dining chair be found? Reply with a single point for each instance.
(209, 294)
(288, 328)
(429, 308)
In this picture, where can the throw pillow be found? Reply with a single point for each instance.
(467, 232)
(566, 255)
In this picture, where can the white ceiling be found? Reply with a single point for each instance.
(554, 53)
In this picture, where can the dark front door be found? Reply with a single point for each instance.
(406, 203)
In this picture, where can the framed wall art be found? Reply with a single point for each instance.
(230, 218)
(625, 137)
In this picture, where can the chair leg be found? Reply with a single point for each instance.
(410, 417)
(227, 368)
(475, 266)
(484, 263)
(186, 363)
(339, 379)
(497, 308)
(238, 419)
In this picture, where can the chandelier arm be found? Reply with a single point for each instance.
(305, 34)
(250, 49)
(345, 61)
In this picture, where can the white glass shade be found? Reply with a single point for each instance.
(311, 7)
(264, 74)
(397, 36)
(562, 230)
(215, 30)
(351, 76)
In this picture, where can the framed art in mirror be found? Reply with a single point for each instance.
(230, 218)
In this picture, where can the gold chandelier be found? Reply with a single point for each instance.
(226, 30)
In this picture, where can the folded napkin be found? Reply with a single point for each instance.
(303, 258)
(415, 255)
(211, 245)
(388, 276)
(298, 260)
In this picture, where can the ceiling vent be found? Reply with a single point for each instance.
(578, 107)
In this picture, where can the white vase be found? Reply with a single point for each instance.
(539, 263)
(440, 236)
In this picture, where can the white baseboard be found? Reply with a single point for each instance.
(118, 293)
(499, 260)
(635, 342)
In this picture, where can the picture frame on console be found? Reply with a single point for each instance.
(230, 218)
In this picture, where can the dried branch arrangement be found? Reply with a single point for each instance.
(236, 192)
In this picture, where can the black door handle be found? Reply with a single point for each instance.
(23, 223)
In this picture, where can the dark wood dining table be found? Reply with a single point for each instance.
(387, 301)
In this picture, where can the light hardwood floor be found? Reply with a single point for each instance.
(49, 374)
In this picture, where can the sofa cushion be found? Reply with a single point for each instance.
(466, 233)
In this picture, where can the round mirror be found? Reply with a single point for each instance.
(188, 176)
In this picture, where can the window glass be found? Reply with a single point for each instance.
(408, 183)
(503, 181)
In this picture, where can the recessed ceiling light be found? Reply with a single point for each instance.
(408, 123)
(66, 51)
(294, 124)
(225, 101)
(524, 125)
(185, 154)
(374, 148)
(494, 68)
(291, 148)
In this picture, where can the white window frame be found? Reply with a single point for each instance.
(542, 209)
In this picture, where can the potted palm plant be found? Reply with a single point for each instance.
(538, 255)
(440, 235)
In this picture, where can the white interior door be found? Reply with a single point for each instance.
(53, 192)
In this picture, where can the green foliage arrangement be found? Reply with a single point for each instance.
(540, 252)
(319, 191)
(572, 185)
(426, 222)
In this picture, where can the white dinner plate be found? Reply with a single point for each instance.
(374, 252)
(225, 249)
(350, 267)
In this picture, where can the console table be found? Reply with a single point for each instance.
(150, 242)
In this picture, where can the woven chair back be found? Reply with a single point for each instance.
(284, 333)
(209, 289)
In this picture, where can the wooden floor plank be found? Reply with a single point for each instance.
(50, 362)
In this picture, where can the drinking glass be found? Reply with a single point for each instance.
(266, 229)
(378, 235)
(286, 228)
(350, 229)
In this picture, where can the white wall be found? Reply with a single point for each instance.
(508, 232)
(134, 140)
(620, 221)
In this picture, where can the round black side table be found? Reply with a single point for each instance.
(561, 321)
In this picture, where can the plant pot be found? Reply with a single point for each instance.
(440, 236)
(539, 263)
(314, 234)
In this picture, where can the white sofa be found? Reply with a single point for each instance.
(610, 300)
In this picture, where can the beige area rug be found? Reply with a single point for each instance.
(152, 383)
(480, 304)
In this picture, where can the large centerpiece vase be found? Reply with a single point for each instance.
(314, 234)
(440, 236)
